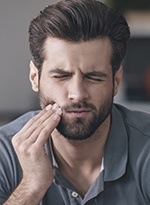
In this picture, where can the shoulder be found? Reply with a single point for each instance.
(14, 126)
(137, 125)
(10, 170)
(9, 130)
(135, 121)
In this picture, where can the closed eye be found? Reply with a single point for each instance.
(94, 78)
(61, 76)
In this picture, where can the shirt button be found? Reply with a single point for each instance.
(74, 194)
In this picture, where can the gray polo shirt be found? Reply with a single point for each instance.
(125, 179)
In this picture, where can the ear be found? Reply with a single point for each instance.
(118, 80)
(34, 77)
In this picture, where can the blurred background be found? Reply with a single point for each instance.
(16, 95)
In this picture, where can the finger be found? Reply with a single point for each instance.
(49, 127)
(38, 119)
(46, 127)
(35, 122)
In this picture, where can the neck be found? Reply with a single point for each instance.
(84, 157)
(75, 154)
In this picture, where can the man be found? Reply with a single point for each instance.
(80, 148)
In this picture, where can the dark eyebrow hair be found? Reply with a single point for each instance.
(58, 71)
(97, 73)
(92, 73)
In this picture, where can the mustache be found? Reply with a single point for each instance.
(79, 105)
(83, 105)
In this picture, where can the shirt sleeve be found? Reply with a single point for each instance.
(144, 171)
(10, 170)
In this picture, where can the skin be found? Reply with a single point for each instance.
(78, 61)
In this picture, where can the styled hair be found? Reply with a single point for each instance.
(77, 21)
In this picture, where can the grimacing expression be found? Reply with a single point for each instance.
(80, 127)
(78, 77)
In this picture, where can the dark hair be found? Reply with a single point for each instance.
(79, 20)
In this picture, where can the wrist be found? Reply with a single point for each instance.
(34, 190)
(26, 194)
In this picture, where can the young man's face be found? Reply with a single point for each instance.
(78, 77)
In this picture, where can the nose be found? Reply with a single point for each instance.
(78, 90)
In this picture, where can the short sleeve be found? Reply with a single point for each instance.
(10, 170)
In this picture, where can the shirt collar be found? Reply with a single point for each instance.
(116, 150)
(54, 163)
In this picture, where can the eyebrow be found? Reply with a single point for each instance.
(92, 73)
(58, 71)
(96, 73)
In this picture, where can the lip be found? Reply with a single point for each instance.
(78, 113)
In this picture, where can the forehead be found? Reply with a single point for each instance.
(84, 55)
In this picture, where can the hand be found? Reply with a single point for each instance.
(29, 145)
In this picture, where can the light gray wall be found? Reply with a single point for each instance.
(16, 94)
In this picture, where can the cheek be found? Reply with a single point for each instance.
(102, 94)
(53, 93)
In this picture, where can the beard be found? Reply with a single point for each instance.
(80, 128)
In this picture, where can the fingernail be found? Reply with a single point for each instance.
(48, 107)
(56, 117)
(59, 111)
(55, 107)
